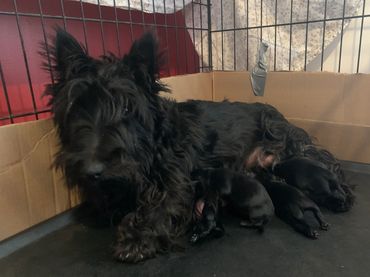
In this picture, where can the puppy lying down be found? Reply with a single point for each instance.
(315, 181)
(245, 194)
(292, 186)
(291, 205)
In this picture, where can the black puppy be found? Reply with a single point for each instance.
(315, 180)
(246, 195)
(291, 204)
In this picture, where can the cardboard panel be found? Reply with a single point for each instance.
(319, 96)
(234, 86)
(307, 95)
(28, 191)
(356, 99)
(347, 142)
(332, 107)
(194, 86)
(313, 98)
(14, 212)
(36, 160)
(10, 152)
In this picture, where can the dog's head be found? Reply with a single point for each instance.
(106, 110)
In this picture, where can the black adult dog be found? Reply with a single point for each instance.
(132, 151)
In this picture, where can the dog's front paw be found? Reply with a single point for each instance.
(133, 245)
(133, 252)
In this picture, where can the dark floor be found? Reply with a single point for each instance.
(344, 250)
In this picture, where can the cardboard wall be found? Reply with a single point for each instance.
(194, 86)
(332, 107)
(30, 191)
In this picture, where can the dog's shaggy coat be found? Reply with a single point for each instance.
(133, 152)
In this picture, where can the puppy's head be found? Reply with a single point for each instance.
(327, 192)
(315, 180)
(105, 110)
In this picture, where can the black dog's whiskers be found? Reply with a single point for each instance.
(134, 154)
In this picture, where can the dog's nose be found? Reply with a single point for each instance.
(95, 170)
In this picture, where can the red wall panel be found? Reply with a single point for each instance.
(23, 78)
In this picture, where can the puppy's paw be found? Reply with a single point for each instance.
(313, 234)
(194, 238)
(324, 226)
(200, 232)
(203, 231)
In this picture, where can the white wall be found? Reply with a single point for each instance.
(350, 48)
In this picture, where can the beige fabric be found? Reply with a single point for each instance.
(149, 6)
(290, 41)
(251, 13)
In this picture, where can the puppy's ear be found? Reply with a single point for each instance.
(145, 61)
(70, 58)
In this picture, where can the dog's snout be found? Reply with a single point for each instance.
(94, 170)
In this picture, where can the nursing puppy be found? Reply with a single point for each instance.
(246, 196)
(315, 180)
(291, 205)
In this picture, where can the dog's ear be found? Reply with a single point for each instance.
(144, 60)
(70, 58)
